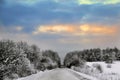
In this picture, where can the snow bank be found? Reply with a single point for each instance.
(84, 75)
(32, 77)
(58, 74)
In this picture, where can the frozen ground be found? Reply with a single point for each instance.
(115, 67)
(109, 73)
(59, 74)
(112, 73)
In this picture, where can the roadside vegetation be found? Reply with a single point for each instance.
(19, 59)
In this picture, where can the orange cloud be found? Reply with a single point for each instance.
(57, 28)
(98, 29)
(85, 29)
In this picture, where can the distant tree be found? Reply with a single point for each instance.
(26, 49)
(36, 56)
(117, 51)
(74, 59)
(53, 57)
(109, 55)
(35, 53)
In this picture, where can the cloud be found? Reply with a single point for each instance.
(65, 2)
(34, 2)
(68, 2)
(77, 30)
(98, 1)
(18, 28)
(11, 29)
(63, 44)
(48, 12)
(27, 2)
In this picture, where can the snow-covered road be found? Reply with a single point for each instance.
(59, 74)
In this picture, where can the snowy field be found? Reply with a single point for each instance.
(115, 67)
(101, 70)
(110, 71)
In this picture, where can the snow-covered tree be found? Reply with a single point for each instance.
(8, 56)
(52, 57)
(74, 59)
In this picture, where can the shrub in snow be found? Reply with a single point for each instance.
(86, 69)
(73, 59)
(40, 66)
(11, 76)
(46, 63)
(109, 61)
(76, 62)
(53, 57)
(98, 67)
(109, 66)
(23, 66)
(93, 70)
(109, 57)
(50, 67)
(14, 76)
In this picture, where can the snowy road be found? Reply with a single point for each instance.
(59, 74)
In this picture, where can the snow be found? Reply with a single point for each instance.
(84, 75)
(58, 74)
(69, 74)
(32, 77)
(115, 66)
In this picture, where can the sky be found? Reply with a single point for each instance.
(61, 25)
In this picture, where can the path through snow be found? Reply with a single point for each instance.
(58, 74)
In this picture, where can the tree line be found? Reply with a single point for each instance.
(77, 58)
(19, 59)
